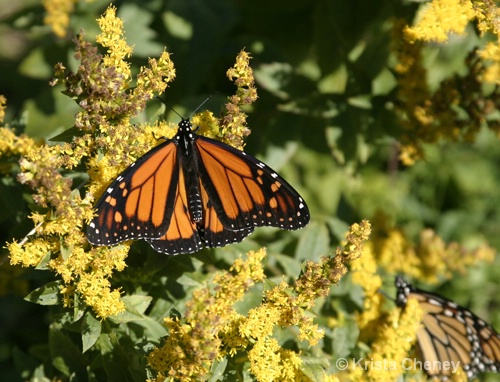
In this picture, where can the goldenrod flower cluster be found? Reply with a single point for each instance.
(431, 116)
(234, 127)
(212, 329)
(102, 88)
(58, 13)
(430, 260)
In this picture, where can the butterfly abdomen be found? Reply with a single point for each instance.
(194, 196)
(188, 162)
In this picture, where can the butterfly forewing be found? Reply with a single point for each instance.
(245, 192)
(139, 203)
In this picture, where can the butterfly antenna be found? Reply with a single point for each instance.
(385, 294)
(170, 107)
(199, 107)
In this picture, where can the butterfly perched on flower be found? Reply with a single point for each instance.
(192, 190)
(451, 333)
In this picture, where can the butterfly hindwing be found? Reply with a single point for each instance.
(139, 202)
(185, 236)
(245, 192)
(182, 234)
(213, 232)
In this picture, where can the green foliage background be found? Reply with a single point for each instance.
(324, 119)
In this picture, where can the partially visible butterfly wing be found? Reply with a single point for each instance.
(452, 333)
(212, 231)
(244, 192)
(139, 202)
(441, 337)
(182, 234)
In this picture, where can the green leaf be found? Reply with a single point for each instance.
(189, 280)
(291, 266)
(65, 251)
(137, 302)
(117, 355)
(67, 135)
(217, 370)
(43, 263)
(139, 33)
(338, 227)
(276, 76)
(66, 356)
(314, 242)
(34, 65)
(46, 295)
(154, 329)
(344, 339)
(91, 330)
(135, 306)
(79, 307)
(178, 26)
(314, 367)
(25, 364)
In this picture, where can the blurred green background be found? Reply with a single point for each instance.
(324, 119)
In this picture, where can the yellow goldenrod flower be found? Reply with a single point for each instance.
(3, 102)
(395, 339)
(31, 253)
(440, 18)
(58, 14)
(112, 37)
(364, 273)
(429, 260)
(13, 145)
(436, 116)
(234, 127)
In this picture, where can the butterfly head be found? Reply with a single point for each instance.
(403, 290)
(185, 127)
(185, 135)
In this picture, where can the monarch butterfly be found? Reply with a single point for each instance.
(451, 333)
(191, 190)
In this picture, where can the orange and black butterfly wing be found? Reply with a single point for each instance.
(186, 236)
(246, 193)
(140, 201)
(212, 231)
(182, 234)
(452, 333)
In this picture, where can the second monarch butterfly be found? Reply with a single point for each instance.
(191, 190)
(451, 333)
